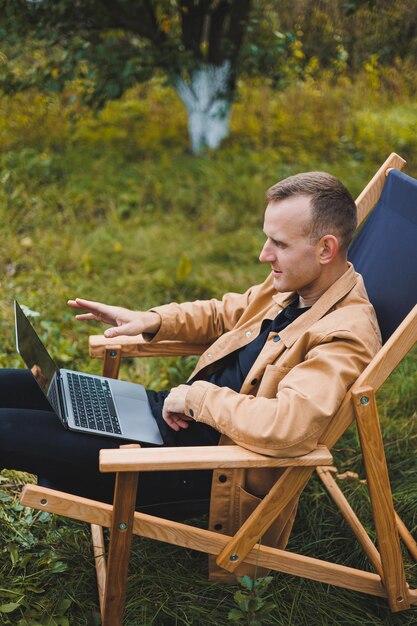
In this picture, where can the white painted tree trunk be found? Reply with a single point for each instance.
(206, 97)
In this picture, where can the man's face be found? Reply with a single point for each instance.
(295, 261)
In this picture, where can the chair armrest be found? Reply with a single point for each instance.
(201, 457)
(137, 346)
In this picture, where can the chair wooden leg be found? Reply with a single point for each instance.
(99, 549)
(341, 501)
(111, 361)
(406, 536)
(381, 498)
(119, 548)
(121, 529)
(351, 518)
(207, 541)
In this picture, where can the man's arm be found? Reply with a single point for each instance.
(289, 424)
(203, 321)
(123, 321)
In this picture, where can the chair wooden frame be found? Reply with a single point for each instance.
(389, 578)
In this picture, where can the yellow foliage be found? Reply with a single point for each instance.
(183, 268)
(324, 116)
(150, 117)
(33, 119)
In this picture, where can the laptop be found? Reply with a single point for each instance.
(84, 402)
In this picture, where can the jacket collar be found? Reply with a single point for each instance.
(327, 301)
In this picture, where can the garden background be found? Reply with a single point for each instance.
(108, 202)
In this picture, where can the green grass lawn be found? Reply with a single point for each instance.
(114, 208)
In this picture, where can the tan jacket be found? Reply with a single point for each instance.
(291, 393)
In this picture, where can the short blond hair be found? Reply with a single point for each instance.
(333, 208)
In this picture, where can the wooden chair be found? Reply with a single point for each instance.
(388, 580)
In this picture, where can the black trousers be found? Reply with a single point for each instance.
(32, 439)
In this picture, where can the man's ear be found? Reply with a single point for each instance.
(329, 248)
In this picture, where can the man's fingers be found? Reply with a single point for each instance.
(173, 424)
(90, 305)
(80, 303)
(114, 331)
(87, 316)
(95, 311)
(123, 329)
(174, 420)
(169, 419)
(182, 422)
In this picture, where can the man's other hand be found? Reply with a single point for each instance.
(124, 321)
(173, 410)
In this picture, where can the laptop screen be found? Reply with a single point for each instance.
(32, 350)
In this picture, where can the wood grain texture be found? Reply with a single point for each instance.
(123, 510)
(201, 457)
(119, 548)
(381, 498)
(111, 361)
(137, 346)
(203, 540)
(99, 551)
(406, 536)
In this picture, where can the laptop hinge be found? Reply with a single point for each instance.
(61, 399)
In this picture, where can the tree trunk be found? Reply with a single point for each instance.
(207, 98)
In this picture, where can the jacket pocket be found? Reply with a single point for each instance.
(247, 504)
(278, 533)
(270, 380)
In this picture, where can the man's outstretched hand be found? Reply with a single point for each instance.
(127, 322)
(173, 410)
(124, 321)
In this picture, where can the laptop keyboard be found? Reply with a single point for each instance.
(92, 403)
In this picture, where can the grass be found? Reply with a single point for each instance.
(113, 207)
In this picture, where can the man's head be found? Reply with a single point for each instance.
(333, 210)
(309, 222)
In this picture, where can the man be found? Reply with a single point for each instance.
(281, 358)
(295, 380)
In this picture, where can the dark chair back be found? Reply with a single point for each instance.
(384, 251)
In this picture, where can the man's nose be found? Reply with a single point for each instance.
(266, 255)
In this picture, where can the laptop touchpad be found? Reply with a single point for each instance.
(128, 406)
(136, 419)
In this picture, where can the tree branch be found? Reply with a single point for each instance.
(141, 21)
(193, 18)
(216, 52)
(239, 15)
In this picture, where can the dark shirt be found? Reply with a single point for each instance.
(233, 369)
(230, 372)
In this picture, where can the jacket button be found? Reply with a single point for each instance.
(191, 413)
(248, 333)
(254, 381)
(222, 478)
(218, 526)
(210, 356)
(277, 338)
